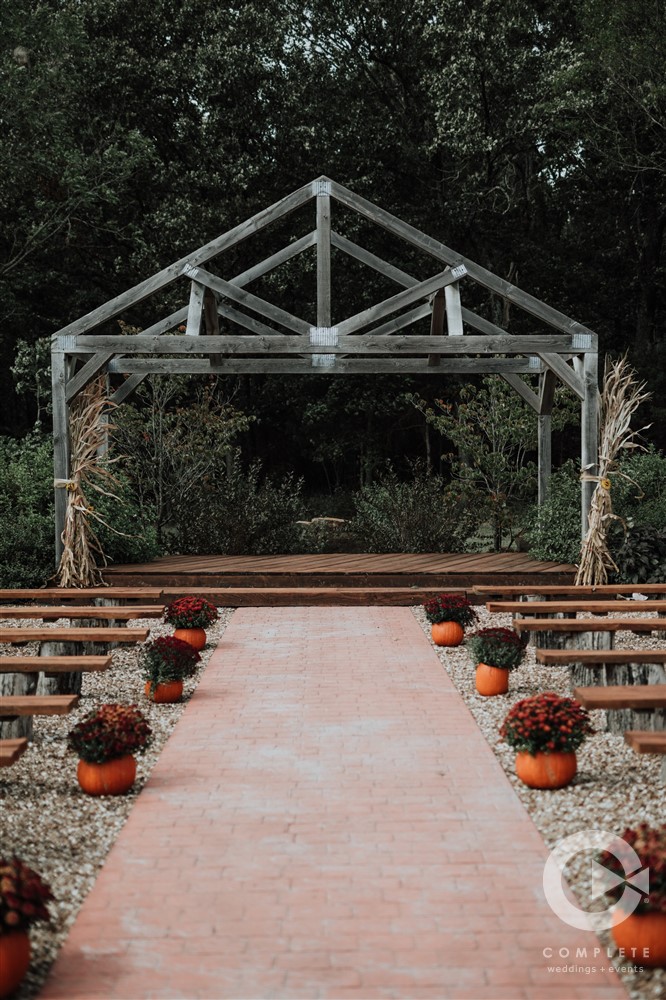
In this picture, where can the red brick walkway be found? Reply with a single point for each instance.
(326, 821)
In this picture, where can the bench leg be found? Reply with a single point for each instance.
(15, 684)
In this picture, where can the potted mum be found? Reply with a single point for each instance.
(165, 662)
(106, 741)
(191, 616)
(641, 933)
(23, 899)
(449, 616)
(494, 651)
(546, 730)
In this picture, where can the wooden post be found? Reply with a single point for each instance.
(323, 193)
(589, 434)
(546, 398)
(61, 447)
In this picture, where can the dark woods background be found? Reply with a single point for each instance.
(529, 136)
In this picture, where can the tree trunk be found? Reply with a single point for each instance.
(17, 684)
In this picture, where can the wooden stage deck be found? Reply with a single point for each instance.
(336, 578)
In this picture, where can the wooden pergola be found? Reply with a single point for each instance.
(260, 337)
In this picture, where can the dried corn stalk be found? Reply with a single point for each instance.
(621, 397)
(81, 547)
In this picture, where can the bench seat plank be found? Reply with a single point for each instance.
(82, 595)
(11, 750)
(122, 635)
(639, 696)
(589, 624)
(646, 740)
(573, 607)
(52, 664)
(564, 590)
(33, 704)
(599, 657)
(83, 611)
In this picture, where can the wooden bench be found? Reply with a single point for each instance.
(511, 592)
(127, 636)
(81, 595)
(115, 613)
(599, 657)
(574, 607)
(573, 625)
(33, 704)
(11, 750)
(53, 664)
(648, 741)
(622, 696)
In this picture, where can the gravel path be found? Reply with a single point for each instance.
(66, 835)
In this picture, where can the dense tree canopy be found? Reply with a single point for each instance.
(530, 136)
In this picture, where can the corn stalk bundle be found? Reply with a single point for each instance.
(88, 432)
(621, 397)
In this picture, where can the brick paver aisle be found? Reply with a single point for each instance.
(325, 821)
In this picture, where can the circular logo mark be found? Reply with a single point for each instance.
(635, 880)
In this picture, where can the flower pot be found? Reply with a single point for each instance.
(14, 960)
(491, 680)
(447, 633)
(164, 693)
(195, 636)
(114, 777)
(642, 937)
(546, 770)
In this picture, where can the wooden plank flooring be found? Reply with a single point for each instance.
(366, 578)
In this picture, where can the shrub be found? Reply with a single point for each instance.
(641, 556)
(546, 723)
(450, 608)
(23, 896)
(241, 512)
(497, 647)
(109, 732)
(422, 515)
(27, 539)
(130, 532)
(553, 530)
(167, 659)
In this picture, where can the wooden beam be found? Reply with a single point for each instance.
(294, 364)
(360, 253)
(211, 320)
(249, 322)
(195, 310)
(589, 436)
(523, 390)
(61, 444)
(438, 306)
(454, 323)
(124, 391)
(399, 301)
(323, 258)
(253, 302)
(116, 306)
(370, 343)
(85, 375)
(264, 266)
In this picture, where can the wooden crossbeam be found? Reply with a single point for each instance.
(247, 299)
(13, 705)
(293, 365)
(81, 595)
(53, 664)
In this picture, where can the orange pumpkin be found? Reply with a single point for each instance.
(166, 692)
(195, 636)
(642, 936)
(14, 960)
(546, 770)
(113, 777)
(447, 634)
(491, 680)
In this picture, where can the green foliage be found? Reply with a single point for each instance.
(241, 512)
(422, 515)
(26, 511)
(638, 493)
(127, 531)
(641, 556)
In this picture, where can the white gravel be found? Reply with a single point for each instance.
(65, 835)
(615, 787)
